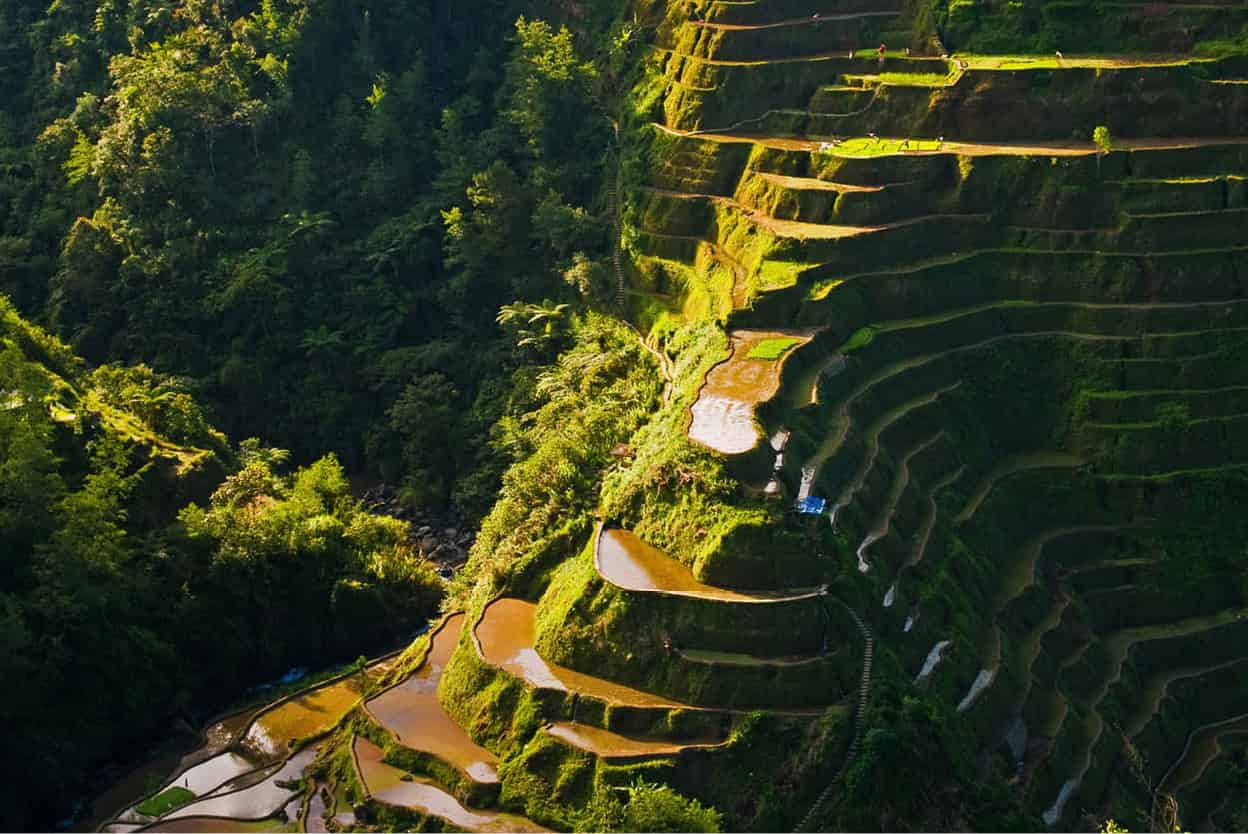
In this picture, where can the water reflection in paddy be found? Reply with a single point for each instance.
(255, 802)
(385, 783)
(411, 711)
(626, 561)
(137, 782)
(248, 779)
(723, 415)
(605, 743)
(314, 820)
(310, 714)
(505, 636)
(207, 776)
(215, 825)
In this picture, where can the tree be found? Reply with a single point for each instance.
(1173, 417)
(1104, 143)
(535, 325)
(1102, 139)
(654, 807)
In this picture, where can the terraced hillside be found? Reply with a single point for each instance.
(939, 523)
(1020, 397)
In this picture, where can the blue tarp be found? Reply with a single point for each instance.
(811, 506)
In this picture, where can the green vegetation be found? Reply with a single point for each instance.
(140, 585)
(244, 193)
(165, 801)
(293, 221)
(286, 247)
(772, 349)
(649, 807)
(1081, 26)
(1103, 141)
(860, 338)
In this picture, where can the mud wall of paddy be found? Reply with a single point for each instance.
(911, 249)
(580, 612)
(458, 784)
(997, 277)
(1161, 27)
(1127, 202)
(1017, 106)
(803, 90)
(542, 775)
(837, 31)
(502, 711)
(740, 543)
(777, 10)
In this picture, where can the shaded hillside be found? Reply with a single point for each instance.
(128, 609)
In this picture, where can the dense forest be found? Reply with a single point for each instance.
(293, 221)
(309, 213)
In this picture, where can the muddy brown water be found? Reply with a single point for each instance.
(607, 744)
(723, 415)
(626, 561)
(310, 714)
(386, 783)
(411, 711)
(505, 639)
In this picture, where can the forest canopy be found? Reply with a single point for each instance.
(294, 221)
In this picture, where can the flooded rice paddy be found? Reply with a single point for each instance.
(310, 714)
(386, 783)
(627, 562)
(411, 711)
(934, 657)
(255, 802)
(723, 414)
(314, 820)
(215, 825)
(207, 776)
(505, 639)
(137, 783)
(607, 744)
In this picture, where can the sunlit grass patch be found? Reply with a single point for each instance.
(165, 801)
(772, 349)
(860, 338)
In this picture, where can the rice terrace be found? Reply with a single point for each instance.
(541, 416)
